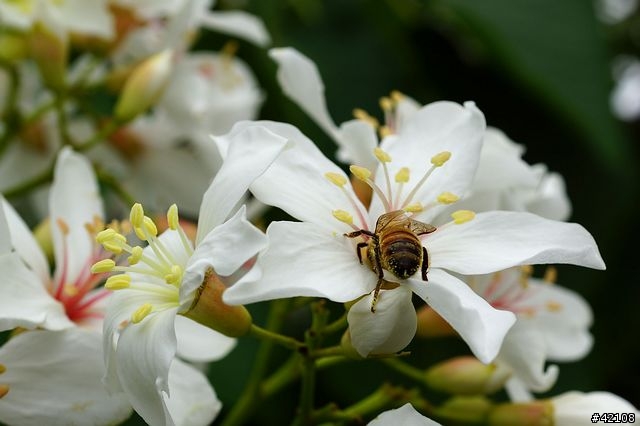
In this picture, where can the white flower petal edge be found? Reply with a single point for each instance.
(237, 23)
(324, 267)
(524, 351)
(73, 364)
(390, 329)
(17, 234)
(248, 152)
(193, 401)
(24, 301)
(494, 241)
(403, 416)
(480, 325)
(144, 353)
(74, 200)
(198, 343)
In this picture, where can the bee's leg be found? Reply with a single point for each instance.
(359, 248)
(358, 233)
(425, 263)
(378, 269)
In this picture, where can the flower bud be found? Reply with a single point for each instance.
(572, 408)
(534, 413)
(464, 409)
(209, 310)
(466, 375)
(430, 324)
(144, 86)
(49, 48)
(347, 346)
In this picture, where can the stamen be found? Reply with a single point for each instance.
(397, 96)
(4, 389)
(414, 208)
(172, 217)
(381, 155)
(104, 265)
(462, 216)
(385, 131)
(141, 313)
(361, 114)
(343, 216)
(553, 306)
(175, 277)
(364, 175)
(336, 178)
(384, 158)
(447, 198)
(136, 217)
(64, 228)
(402, 177)
(386, 104)
(136, 255)
(550, 275)
(2, 368)
(340, 181)
(150, 227)
(118, 282)
(439, 159)
(70, 290)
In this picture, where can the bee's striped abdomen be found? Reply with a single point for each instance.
(401, 253)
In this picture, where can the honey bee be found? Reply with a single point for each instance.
(394, 246)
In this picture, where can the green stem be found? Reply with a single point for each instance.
(338, 325)
(112, 182)
(331, 351)
(266, 335)
(406, 369)
(251, 395)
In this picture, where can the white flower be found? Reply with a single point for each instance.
(315, 258)
(403, 416)
(53, 378)
(142, 331)
(29, 296)
(552, 325)
(576, 408)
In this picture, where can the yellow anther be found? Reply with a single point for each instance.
(386, 103)
(140, 233)
(382, 156)
(2, 368)
(403, 175)
(397, 96)
(553, 306)
(150, 226)
(447, 198)
(414, 208)
(136, 217)
(70, 290)
(114, 248)
(230, 48)
(385, 131)
(105, 235)
(439, 159)
(336, 178)
(361, 173)
(363, 115)
(141, 313)
(118, 282)
(550, 275)
(343, 216)
(175, 276)
(172, 217)
(105, 265)
(462, 216)
(136, 255)
(64, 228)
(4, 389)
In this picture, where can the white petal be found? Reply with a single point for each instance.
(437, 127)
(25, 243)
(24, 301)
(198, 343)
(296, 182)
(193, 401)
(517, 390)
(551, 200)
(575, 408)
(300, 80)
(479, 324)
(144, 354)
(237, 23)
(61, 388)
(564, 320)
(302, 260)
(251, 150)
(88, 17)
(357, 140)
(405, 109)
(390, 329)
(75, 200)
(524, 350)
(5, 237)
(403, 416)
(493, 241)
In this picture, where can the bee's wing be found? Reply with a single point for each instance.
(388, 218)
(420, 228)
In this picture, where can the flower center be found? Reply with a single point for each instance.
(156, 270)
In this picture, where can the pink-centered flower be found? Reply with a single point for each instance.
(421, 170)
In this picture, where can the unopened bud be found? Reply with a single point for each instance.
(430, 324)
(464, 410)
(534, 413)
(209, 310)
(347, 346)
(144, 86)
(465, 375)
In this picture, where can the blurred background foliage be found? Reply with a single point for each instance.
(541, 70)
